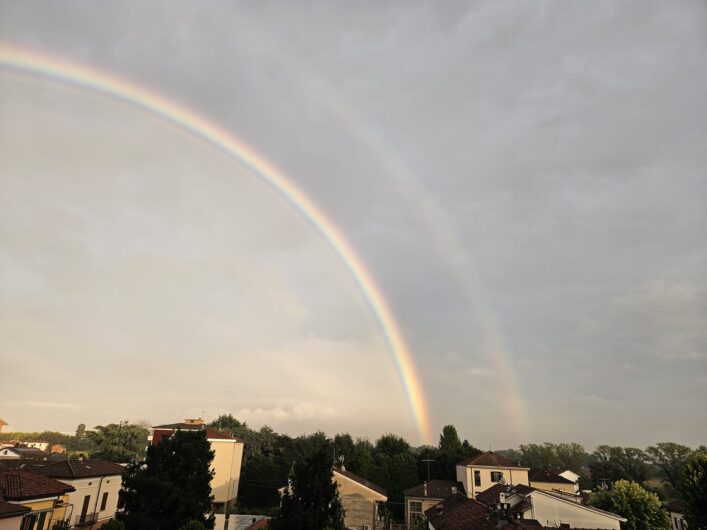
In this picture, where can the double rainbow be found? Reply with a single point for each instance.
(41, 64)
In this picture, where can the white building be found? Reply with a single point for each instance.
(96, 483)
(479, 473)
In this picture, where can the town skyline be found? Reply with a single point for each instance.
(519, 194)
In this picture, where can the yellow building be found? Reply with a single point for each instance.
(421, 498)
(549, 481)
(228, 457)
(360, 499)
(481, 472)
(46, 498)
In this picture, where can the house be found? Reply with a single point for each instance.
(549, 509)
(11, 515)
(547, 480)
(360, 499)
(23, 452)
(676, 509)
(228, 456)
(460, 512)
(422, 497)
(481, 472)
(46, 498)
(96, 484)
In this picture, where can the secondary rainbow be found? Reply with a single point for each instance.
(36, 63)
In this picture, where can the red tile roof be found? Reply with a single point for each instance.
(7, 509)
(490, 497)
(71, 469)
(19, 485)
(436, 489)
(460, 513)
(489, 458)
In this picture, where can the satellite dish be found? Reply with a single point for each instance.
(502, 481)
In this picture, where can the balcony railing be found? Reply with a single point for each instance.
(85, 520)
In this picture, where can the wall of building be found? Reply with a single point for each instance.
(512, 475)
(58, 514)
(427, 503)
(358, 501)
(552, 486)
(11, 523)
(677, 522)
(550, 511)
(95, 488)
(228, 457)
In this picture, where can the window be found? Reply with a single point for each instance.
(477, 478)
(415, 507)
(496, 476)
(104, 501)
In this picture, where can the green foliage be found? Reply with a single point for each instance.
(452, 451)
(693, 489)
(113, 524)
(123, 442)
(558, 457)
(670, 458)
(172, 486)
(419, 523)
(312, 502)
(628, 499)
(609, 464)
(62, 525)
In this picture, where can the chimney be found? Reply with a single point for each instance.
(424, 490)
(454, 490)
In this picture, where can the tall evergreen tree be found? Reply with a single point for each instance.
(693, 489)
(172, 486)
(312, 500)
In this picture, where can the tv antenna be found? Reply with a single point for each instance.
(428, 460)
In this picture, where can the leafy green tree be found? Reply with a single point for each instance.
(604, 465)
(670, 458)
(123, 442)
(172, 486)
(693, 489)
(537, 456)
(631, 463)
(391, 444)
(80, 431)
(311, 501)
(570, 456)
(628, 499)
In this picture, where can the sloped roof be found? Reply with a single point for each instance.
(28, 452)
(490, 497)
(362, 481)
(436, 489)
(576, 504)
(543, 475)
(182, 426)
(72, 469)
(460, 513)
(7, 509)
(18, 484)
(490, 459)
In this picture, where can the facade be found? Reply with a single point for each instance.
(23, 452)
(549, 509)
(228, 457)
(96, 485)
(360, 499)
(549, 481)
(421, 498)
(46, 498)
(676, 509)
(11, 515)
(479, 473)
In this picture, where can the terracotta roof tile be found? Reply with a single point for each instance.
(19, 484)
(436, 489)
(71, 469)
(489, 458)
(7, 509)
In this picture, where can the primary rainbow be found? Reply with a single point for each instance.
(32, 62)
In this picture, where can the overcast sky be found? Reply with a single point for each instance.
(527, 182)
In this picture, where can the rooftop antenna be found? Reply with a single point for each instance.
(341, 463)
(489, 446)
(428, 460)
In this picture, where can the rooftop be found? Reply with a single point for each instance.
(489, 459)
(543, 475)
(436, 489)
(362, 481)
(19, 484)
(7, 509)
(72, 469)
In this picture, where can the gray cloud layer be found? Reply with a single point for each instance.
(525, 180)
